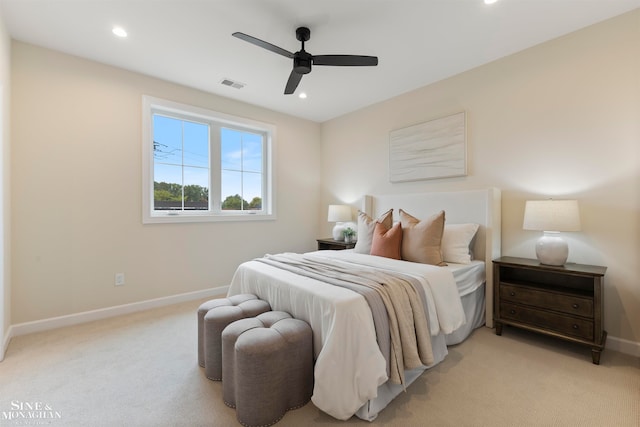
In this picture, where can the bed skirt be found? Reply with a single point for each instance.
(474, 309)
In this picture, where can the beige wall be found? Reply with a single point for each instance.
(5, 189)
(561, 119)
(76, 183)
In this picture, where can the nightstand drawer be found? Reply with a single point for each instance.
(567, 325)
(556, 301)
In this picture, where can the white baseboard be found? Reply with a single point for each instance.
(613, 343)
(623, 346)
(631, 348)
(103, 313)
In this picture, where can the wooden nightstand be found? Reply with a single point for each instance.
(565, 302)
(335, 245)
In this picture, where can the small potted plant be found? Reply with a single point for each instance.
(349, 235)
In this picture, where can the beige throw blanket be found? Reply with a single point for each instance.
(401, 294)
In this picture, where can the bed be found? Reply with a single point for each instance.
(351, 369)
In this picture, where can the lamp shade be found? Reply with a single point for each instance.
(551, 215)
(339, 213)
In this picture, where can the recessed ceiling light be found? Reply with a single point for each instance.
(302, 95)
(490, 1)
(119, 31)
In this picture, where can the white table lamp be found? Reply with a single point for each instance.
(551, 217)
(339, 214)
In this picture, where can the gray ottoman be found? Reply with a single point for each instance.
(213, 317)
(267, 367)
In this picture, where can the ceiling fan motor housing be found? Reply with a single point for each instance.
(302, 62)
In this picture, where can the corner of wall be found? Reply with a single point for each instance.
(5, 342)
(5, 189)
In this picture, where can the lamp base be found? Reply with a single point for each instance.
(338, 230)
(551, 249)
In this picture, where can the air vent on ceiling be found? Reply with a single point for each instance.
(233, 84)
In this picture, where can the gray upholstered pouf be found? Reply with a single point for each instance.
(267, 367)
(205, 307)
(213, 317)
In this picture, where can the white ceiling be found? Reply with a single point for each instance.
(189, 42)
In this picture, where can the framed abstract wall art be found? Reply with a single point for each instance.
(429, 150)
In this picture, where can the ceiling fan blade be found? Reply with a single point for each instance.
(292, 83)
(263, 44)
(345, 60)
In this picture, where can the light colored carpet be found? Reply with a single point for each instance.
(141, 370)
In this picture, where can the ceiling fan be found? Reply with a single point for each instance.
(302, 60)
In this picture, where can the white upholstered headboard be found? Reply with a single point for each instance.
(482, 207)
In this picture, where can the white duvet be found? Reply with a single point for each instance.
(349, 366)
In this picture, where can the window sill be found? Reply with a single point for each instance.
(168, 219)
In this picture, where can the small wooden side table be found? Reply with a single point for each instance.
(565, 302)
(334, 245)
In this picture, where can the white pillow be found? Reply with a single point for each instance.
(366, 225)
(456, 242)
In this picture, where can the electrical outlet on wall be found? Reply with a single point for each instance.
(119, 279)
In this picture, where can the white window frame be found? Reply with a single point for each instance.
(151, 105)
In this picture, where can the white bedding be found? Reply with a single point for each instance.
(468, 277)
(349, 365)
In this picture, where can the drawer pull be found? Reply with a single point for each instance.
(513, 294)
(576, 327)
(576, 306)
(512, 311)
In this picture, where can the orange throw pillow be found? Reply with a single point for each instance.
(387, 242)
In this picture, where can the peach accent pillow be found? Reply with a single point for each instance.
(366, 225)
(387, 242)
(421, 240)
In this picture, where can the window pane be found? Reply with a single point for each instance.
(167, 173)
(196, 189)
(252, 189)
(242, 158)
(252, 152)
(196, 144)
(231, 149)
(181, 164)
(167, 140)
(231, 190)
(167, 187)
